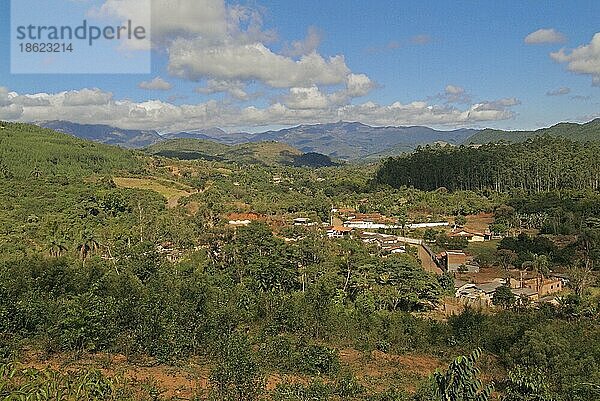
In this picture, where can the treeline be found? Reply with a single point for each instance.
(537, 165)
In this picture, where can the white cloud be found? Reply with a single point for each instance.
(86, 97)
(191, 59)
(235, 89)
(4, 97)
(8, 109)
(545, 36)
(307, 98)
(301, 105)
(358, 85)
(170, 18)
(155, 84)
(583, 60)
(209, 39)
(456, 94)
(306, 46)
(559, 91)
(454, 90)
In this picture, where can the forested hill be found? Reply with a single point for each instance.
(28, 150)
(539, 164)
(577, 132)
(268, 153)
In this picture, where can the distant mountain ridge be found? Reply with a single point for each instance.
(105, 134)
(354, 140)
(342, 140)
(589, 131)
(351, 141)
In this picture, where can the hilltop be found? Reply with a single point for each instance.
(263, 153)
(586, 132)
(27, 150)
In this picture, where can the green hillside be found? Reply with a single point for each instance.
(54, 185)
(28, 150)
(188, 149)
(263, 153)
(577, 132)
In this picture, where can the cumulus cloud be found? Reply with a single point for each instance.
(306, 46)
(4, 99)
(235, 89)
(356, 85)
(584, 59)
(559, 91)
(8, 109)
(307, 98)
(456, 94)
(213, 40)
(542, 36)
(86, 97)
(300, 105)
(207, 18)
(191, 59)
(157, 84)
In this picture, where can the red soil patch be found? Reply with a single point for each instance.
(374, 370)
(479, 222)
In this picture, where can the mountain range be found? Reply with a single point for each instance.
(341, 140)
(106, 134)
(350, 141)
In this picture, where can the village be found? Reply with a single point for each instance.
(475, 284)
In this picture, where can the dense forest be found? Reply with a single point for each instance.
(109, 254)
(586, 132)
(536, 165)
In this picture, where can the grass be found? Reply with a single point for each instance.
(171, 190)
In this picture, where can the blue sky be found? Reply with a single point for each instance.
(261, 64)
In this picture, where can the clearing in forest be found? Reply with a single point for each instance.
(171, 190)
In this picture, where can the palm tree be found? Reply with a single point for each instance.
(56, 248)
(538, 265)
(36, 173)
(87, 246)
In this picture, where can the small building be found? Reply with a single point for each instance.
(302, 221)
(451, 261)
(243, 219)
(459, 283)
(366, 224)
(544, 286)
(525, 295)
(394, 249)
(477, 295)
(471, 236)
(415, 226)
(339, 232)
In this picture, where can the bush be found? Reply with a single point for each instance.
(314, 391)
(237, 376)
(282, 353)
(85, 323)
(319, 359)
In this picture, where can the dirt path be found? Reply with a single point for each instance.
(427, 263)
